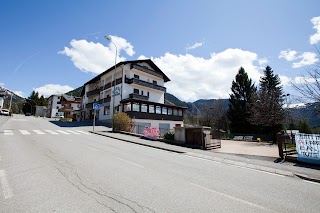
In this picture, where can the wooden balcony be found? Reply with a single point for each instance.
(93, 92)
(144, 83)
(146, 70)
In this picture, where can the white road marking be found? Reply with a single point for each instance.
(7, 132)
(229, 196)
(83, 132)
(77, 133)
(25, 132)
(130, 163)
(213, 161)
(307, 181)
(63, 132)
(7, 192)
(89, 147)
(39, 132)
(51, 132)
(256, 170)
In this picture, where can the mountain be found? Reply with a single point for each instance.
(76, 92)
(17, 101)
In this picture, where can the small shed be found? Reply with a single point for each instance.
(198, 137)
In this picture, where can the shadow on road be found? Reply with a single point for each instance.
(78, 124)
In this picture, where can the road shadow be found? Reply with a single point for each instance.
(78, 124)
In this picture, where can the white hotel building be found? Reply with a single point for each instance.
(139, 91)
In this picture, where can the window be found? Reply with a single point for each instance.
(180, 112)
(135, 107)
(158, 109)
(135, 76)
(106, 110)
(154, 82)
(169, 111)
(164, 110)
(175, 112)
(127, 107)
(57, 107)
(144, 107)
(136, 91)
(141, 92)
(151, 108)
(148, 94)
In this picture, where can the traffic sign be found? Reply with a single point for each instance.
(96, 106)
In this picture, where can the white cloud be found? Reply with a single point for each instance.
(1, 84)
(288, 54)
(50, 89)
(196, 45)
(307, 58)
(305, 80)
(263, 61)
(195, 77)
(285, 81)
(95, 57)
(315, 38)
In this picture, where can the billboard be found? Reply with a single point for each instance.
(308, 147)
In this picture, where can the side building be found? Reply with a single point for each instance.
(135, 87)
(63, 105)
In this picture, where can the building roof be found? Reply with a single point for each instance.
(148, 61)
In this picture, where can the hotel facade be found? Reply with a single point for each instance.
(136, 88)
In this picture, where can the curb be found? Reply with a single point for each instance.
(147, 145)
(224, 160)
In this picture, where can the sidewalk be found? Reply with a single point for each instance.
(262, 163)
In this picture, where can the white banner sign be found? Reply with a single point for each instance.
(308, 147)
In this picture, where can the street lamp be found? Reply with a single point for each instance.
(114, 79)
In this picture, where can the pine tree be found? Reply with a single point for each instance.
(267, 110)
(239, 108)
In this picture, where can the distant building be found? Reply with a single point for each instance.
(41, 111)
(63, 105)
(139, 91)
(1, 102)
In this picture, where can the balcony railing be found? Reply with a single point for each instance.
(139, 97)
(144, 83)
(105, 100)
(93, 92)
(146, 70)
(110, 84)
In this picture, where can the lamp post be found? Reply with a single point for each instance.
(114, 79)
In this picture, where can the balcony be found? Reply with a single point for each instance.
(146, 70)
(93, 92)
(105, 100)
(145, 84)
(110, 84)
(139, 97)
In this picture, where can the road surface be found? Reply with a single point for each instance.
(47, 168)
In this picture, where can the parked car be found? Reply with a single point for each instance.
(5, 112)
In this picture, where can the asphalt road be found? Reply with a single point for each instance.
(46, 168)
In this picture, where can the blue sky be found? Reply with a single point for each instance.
(54, 46)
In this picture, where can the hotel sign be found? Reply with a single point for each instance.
(116, 91)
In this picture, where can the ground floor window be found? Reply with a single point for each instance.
(106, 110)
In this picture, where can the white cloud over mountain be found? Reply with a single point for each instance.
(315, 38)
(199, 78)
(50, 89)
(95, 57)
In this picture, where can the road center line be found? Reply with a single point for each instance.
(7, 192)
(230, 197)
(130, 163)
(89, 147)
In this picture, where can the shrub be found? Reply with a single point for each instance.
(169, 136)
(122, 122)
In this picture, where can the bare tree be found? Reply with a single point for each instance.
(309, 85)
(206, 115)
